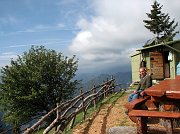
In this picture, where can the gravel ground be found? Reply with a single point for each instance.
(122, 130)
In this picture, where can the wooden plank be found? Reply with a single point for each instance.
(142, 115)
(136, 102)
(151, 92)
(173, 94)
(145, 113)
(170, 88)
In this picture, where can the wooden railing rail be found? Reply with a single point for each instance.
(67, 111)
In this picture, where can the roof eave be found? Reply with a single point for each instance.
(162, 44)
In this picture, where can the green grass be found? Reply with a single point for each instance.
(109, 100)
(39, 131)
(113, 98)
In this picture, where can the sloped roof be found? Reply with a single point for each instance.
(166, 44)
(134, 54)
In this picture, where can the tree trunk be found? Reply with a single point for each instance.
(16, 130)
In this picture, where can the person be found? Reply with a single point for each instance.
(145, 82)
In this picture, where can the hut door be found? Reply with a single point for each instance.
(156, 63)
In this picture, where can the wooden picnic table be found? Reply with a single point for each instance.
(162, 102)
(166, 89)
(167, 95)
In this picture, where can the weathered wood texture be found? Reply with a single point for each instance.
(67, 111)
(163, 104)
(167, 95)
(156, 66)
(142, 116)
(158, 114)
(136, 104)
(166, 89)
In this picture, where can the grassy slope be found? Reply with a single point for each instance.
(79, 118)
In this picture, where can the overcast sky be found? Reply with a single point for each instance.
(101, 33)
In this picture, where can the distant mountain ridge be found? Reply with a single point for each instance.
(88, 80)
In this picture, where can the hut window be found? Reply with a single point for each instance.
(170, 56)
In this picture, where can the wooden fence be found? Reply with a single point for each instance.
(66, 112)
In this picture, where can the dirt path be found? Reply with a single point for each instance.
(112, 115)
(108, 116)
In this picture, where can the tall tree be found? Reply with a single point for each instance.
(160, 24)
(35, 82)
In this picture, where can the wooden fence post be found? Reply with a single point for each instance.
(57, 114)
(112, 84)
(81, 103)
(82, 99)
(94, 92)
(104, 88)
(72, 122)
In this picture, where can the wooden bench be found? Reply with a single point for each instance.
(135, 104)
(142, 116)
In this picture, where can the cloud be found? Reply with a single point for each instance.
(43, 28)
(16, 46)
(6, 57)
(109, 38)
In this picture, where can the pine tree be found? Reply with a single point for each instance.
(160, 24)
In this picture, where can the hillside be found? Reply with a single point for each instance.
(91, 79)
(111, 118)
(108, 116)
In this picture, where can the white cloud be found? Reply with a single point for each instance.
(6, 57)
(107, 40)
(43, 28)
(16, 46)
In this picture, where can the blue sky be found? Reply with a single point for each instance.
(101, 33)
